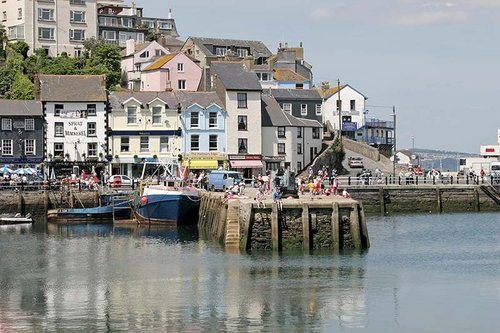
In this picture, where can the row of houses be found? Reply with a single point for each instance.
(74, 120)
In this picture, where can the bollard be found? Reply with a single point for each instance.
(306, 233)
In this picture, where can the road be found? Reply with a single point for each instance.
(368, 164)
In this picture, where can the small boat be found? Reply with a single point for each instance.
(169, 200)
(10, 219)
(114, 206)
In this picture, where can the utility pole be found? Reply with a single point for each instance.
(394, 143)
(339, 109)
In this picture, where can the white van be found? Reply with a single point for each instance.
(223, 179)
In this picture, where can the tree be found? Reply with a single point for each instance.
(3, 41)
(22, 88)
(21, 48)
(104, 59)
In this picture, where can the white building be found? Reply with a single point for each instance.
(351, 103)
(240, 91)
(76, 116)
(54, 25)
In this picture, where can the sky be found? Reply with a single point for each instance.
(437, 62)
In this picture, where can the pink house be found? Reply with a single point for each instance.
(174, 71)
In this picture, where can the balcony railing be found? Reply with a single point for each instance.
(134, 75)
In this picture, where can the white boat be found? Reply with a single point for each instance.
(8, 219)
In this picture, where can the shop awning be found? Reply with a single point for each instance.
(201, 164)
(244, 164)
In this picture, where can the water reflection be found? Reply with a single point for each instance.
(105, 278)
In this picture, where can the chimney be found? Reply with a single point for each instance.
(130, 47)
(169, 16)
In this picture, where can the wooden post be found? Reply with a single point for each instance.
(438, 200)
(365, 239)
(477, 205)
(382, 201)
(46, 201)
(336, 226)
(246, 233)
(275, 229)
(306, 227)
(355, 230)
(20, 204)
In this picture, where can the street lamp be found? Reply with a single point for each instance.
(394, 157)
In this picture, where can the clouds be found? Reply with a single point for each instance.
(410, 13)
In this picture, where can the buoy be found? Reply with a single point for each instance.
(144, 200)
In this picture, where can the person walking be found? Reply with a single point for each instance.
(277, 198)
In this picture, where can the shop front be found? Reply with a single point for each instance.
(274, 162)
(249, 165)
(204, 161)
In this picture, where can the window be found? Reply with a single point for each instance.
(303, 109)
(156, 114)
(242, 123)
(299, 86)
(180, 67)
(164, 144)
(77, 16)
(195, 142)
(92, 149)
(16, 32)
(281, 148)
(57, 109)
(299, 166)
(353, 104)
(281, 132)
(6, 147)
(299, 132)
(91, 129)
(19, 13)
(77, 52)
(165, 25)
(77, 34)
(29, 124)
(109, 35)
(299, 148)
(318, 109)
(4, 16)
(264, 76)
(242, 100)
(242, 146)
(45, 14)
(132, 115)
(339, 105)
(6, 124)
(181, 84)
(144, 143)
(58, 149)
(287, 107)
(315, 133)
(46, 33)
(159, 53)
(220, 51)
(124, 144)
(91, 110)
(144, 54)
(212, 120)
(242, 53)
(212, 139)
(77, 2)
(59, 129)
(195, 119)
(29, 147)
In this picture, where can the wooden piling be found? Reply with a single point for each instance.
(306, 230)
(364, 228)
(438, 201)
(246, 231)
(275, 229)
(336, 226)
(477, 205)
(381, 198)
(21, 204)
(355, 229)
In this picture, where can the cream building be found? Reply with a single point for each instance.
(144, 127)
(54, 25)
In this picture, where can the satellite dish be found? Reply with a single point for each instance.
(413, 157)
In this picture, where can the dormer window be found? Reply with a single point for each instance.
(220, 51)
(144, 54)
(242, 53)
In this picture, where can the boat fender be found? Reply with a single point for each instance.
(144, 200)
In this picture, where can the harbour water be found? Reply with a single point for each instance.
(423, 273)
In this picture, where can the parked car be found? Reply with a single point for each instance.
(355, 162)
(119, 180)
(223, 179)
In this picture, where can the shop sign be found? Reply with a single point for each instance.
(273, 158)
(246, 157)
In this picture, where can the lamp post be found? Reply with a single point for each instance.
(339, 109)
(394, 157)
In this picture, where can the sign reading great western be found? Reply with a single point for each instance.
(75, 128)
